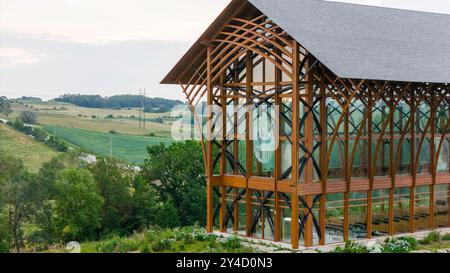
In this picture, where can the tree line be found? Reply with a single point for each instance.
(69, 199)
(152, 105)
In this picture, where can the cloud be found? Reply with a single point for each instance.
(12, 57)
(105, 21)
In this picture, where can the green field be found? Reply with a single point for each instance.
(30, 151)
(129, 148)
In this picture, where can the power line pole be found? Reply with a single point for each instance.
(140, 103)
(143, 107)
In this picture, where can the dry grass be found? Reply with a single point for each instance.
(32, 152)
(71, 116)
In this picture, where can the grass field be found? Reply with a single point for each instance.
(32, 152)
(68, 115)
(129, 148)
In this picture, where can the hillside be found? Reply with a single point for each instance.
(32, 152)
(94, 119)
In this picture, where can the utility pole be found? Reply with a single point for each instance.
(140, 93)
(143, 107)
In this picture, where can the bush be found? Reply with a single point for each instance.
(28, 117)
(114, 132)
(232, 243)
(351, 247)
(110, 116)
(398, 246)
(431, 237)
(161, 245)
(411, 241)
(446, 237)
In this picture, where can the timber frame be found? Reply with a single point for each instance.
(356, 158)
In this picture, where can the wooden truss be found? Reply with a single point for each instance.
(345, 145)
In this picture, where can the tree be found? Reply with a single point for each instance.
(113, 180)
(28, 117)
(177, 174)
(78, 205)
(5, 106)
(149, 209)
(17, 195)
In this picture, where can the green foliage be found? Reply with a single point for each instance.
(5, 238)
(153, 105)
(398, 246)
(413, 242)
(57, 144)
(78, 205)
(446, 237)
(430, 238)
(5, 106)
(177, 174)
(351, 247)
(113, 180)
(28, 117)
(232, 242)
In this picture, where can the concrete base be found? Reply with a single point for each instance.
(278, 247)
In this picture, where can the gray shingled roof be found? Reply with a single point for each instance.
(365, 42)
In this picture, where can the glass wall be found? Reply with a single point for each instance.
(357, 224)
(334, 222)
(422, 208)
(380, 213)
(401, 209)
(263, 220)
(286, 214)
(441, 199)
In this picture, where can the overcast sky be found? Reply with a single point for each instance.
(107, 47)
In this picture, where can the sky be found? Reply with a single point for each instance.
(108, 47)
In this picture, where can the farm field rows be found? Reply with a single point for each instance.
(129, 148)
(123, 121)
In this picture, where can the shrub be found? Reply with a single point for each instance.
(28, 117)
(110, 116)
(351, 247)
(398, 246)
(232, 243)
(431, 237)
(161, 245)
(114, 132)
(411, 240)
(446, 237)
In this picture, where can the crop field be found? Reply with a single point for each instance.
(124, 121)
(32, 152)
(130, 148)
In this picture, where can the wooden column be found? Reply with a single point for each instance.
(248, 143)
(295, 142)
(433, 108)
(309, 143)
(209, 172)
(323, 153)
(369, 163)
(391, 160)
(278, 79)
(412, 164)
(346, 169)
(223, 160)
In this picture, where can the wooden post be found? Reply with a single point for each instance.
(309, 143)
(248, 143)
(295, 142)
(323, 154)
(209, 172)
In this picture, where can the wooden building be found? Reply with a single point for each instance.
(362, 146)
